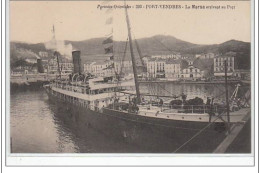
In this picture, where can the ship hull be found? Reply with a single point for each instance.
(149, 135)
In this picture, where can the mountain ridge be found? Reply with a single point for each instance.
(155, 45)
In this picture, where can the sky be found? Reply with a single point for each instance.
(32, 21)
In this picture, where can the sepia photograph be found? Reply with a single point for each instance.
(149, 77)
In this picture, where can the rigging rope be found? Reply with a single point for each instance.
(164, 45)
(161, 87)
(199, 132)
(121, 65)
(140, 54)
(124, 55)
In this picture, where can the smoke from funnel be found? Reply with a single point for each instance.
(60, 46)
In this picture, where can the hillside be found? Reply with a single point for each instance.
(156, 45)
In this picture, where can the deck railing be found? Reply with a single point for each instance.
(79, 89)
(212, 109)
(199, 109)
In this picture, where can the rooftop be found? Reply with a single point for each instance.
(190, 59)
(156, 59)
(173, 61)
(223, 56)
(188, 55)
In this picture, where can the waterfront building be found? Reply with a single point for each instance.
(242, 74)
(96, 68)
(219, 65)
(146, 59)
(87, 67)
(206, 56)
(45, 60)
(156, 68)
(151, 68)
(160, 64)
(20, 70)
(17, 72)
(172, 69)
(43, 54)
(187, 56)
(190, 60)
(66, 66)
(125, 66)
(31, 60)
(197, 55)
(105, 68)
(169, 56)
(191, 72)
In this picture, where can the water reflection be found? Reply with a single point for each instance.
(37, 127)
(33, 126)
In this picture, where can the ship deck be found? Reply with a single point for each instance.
(235, 117)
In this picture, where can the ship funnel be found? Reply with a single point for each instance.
(76, 62)
(39, 66)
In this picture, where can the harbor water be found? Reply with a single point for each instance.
(35, 126)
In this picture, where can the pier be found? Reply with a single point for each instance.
(233, 140)
(30, 81)
(37, 80)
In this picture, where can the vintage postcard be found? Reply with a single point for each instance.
(169, 80)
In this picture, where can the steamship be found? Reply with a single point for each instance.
(115, 107)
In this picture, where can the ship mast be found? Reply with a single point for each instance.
(53, 32)
(132, 56)
(140, 55)
(56, 53)
(227, 99)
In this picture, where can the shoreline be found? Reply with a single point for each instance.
(38, 84)
(197, 82)
(35, 82)
(23, 86)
